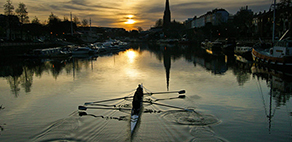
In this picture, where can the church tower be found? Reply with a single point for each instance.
(166, 16)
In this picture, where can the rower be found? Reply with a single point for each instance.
(138, 96)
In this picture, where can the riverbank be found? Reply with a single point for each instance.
(9, 49)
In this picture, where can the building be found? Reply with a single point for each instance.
(216, 17)
(263, 22)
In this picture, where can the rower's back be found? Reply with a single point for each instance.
(138, 96)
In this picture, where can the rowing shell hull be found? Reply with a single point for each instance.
(135, 118)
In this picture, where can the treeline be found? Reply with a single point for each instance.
(18, 20)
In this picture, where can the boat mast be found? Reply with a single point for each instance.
(71, 24)
(274, 15)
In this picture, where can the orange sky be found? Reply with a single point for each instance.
(144, 13)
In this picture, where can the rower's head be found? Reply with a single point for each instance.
(139, 88)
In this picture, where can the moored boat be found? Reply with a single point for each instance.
(243, 50)
(213, 46)
(278, 55)
(83, 50)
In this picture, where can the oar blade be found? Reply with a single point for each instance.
(182, 96)
(182, 92)
(88, 103)
(82, 108)
(82, 113)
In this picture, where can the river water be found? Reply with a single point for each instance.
(233, 101)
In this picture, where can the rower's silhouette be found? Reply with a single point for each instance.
(137, 99)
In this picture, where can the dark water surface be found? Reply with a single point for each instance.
(234, 101)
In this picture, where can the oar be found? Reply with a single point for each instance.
(85, 108)
(180, 97)
(84, 113)
(88, 103)
(191, 110)
(179, 92)
(105, 117)
(166, 105)
(95, 104)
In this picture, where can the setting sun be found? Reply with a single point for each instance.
(130, 20)
(130, 16)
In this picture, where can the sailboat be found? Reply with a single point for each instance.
(279, 55)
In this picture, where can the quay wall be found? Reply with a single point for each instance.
(14, 49)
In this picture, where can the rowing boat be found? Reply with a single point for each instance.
(137, 108)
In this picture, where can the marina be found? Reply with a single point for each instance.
(215, 71)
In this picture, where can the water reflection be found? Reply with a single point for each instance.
(97, 73)
(280, 84)
(20, 73)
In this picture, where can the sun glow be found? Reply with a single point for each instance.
(130, 16)
(131, 55)
(130, 20)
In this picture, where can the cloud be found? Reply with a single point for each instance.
(147, 12)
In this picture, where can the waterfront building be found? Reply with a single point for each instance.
(216, 17)
(262, 22)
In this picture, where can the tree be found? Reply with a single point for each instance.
(8, 8)
(53, 18)
(76, 21)
(140, 29)
(243, 20)
(35, 20)
(84, 23)
(284, 3)
(22, 13)
(159, 23)
(65, 18)
(54, 25)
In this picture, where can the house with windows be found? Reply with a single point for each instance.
(216, 17)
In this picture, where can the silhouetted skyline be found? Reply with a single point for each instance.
(142, 13)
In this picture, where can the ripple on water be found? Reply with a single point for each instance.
(205, 134)
(190, 118)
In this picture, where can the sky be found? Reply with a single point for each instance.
(131, 14)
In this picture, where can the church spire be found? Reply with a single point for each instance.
(166, 16)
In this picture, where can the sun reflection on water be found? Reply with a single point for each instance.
(131, 54)
(132, 70)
